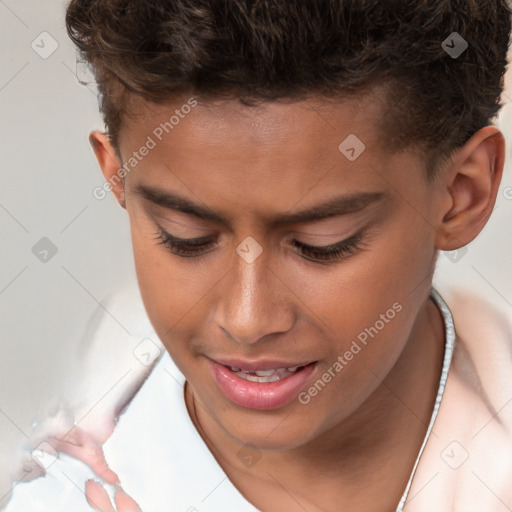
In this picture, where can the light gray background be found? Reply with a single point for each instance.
(47, 175)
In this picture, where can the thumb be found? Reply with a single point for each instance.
(97, 497)
(125, 503)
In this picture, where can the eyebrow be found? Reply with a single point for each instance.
(337, 206)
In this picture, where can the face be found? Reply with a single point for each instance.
(246, 281)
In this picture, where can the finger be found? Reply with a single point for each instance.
(97, 497)
(125, 503)
(91, 454)
(99, 465)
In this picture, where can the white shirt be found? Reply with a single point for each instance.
(163, 463)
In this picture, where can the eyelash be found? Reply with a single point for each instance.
(192, 247)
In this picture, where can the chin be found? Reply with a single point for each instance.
(278, 434)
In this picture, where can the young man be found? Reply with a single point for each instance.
(290, 171)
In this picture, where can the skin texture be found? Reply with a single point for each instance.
(357, 440)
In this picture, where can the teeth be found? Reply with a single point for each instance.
(265, 375)
(267, 378)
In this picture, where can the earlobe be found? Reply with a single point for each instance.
(472, 184)
(109, 164)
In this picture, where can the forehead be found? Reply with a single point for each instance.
(264, 158)
(303, 124)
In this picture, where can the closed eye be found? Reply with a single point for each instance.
(195, 247)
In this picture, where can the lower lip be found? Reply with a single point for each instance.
(260, 395)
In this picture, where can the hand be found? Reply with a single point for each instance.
(74, 442)
(80, 445)
(86, 447)
(98, 499)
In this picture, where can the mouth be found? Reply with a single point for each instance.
(263, 388)
(266, 375)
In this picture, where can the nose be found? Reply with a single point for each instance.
(253, 302)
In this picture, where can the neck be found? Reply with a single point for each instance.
(368, 457)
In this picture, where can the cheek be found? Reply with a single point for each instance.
(366, 336)
(367, 307)
(174, 293)
(352, 295)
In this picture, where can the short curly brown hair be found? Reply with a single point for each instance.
(263, 50)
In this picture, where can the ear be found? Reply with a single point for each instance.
(109, 163)
(472, 182)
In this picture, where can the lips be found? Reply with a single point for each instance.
(261, 385)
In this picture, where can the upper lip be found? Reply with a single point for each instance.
(261, 364)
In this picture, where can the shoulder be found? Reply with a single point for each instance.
(470, 449)
(480, 382)
(483, 355)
